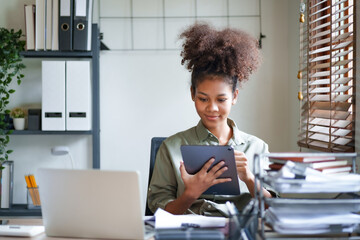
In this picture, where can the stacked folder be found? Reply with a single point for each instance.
(55, 25)
(325, 164)
(312, 216)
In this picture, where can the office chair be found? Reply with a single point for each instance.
(155, 144)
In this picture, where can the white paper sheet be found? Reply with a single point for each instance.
(164, 219)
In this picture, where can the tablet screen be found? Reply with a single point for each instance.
(195, 156)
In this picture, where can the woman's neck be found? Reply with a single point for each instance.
(223, 133)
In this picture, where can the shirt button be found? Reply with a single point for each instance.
(209, 206)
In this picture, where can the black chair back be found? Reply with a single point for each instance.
(155, 144)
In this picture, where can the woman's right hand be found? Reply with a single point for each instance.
(198, 183)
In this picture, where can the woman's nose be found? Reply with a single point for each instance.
(212, 106)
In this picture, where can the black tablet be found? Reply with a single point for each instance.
(195, 156)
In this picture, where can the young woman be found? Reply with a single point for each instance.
(218, 60)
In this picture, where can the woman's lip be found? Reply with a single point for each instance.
(211, 117)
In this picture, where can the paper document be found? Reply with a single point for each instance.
(300, 223)
(20, 230)
(164, 219)
(297, 179)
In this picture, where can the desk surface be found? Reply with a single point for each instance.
(37, 221)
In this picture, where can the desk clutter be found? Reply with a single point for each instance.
(309, 214)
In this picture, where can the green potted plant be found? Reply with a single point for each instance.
(18, 114)
(11, 67)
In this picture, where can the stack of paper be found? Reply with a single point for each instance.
(312, 223)
(164, 219)
(294, 178)
(312, 216)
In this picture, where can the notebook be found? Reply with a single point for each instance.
(91, 204)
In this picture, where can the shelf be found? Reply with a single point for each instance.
(55, 54)
(19, 210)
(39, 132)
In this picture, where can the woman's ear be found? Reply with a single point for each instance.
(192, 93)
(235, 96)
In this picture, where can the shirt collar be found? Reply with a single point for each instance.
(203, 133)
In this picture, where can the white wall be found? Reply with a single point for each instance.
(146, 93)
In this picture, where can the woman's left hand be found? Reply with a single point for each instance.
(242, 167)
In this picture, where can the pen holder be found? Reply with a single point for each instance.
(33, 198)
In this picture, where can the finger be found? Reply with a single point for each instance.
(216, 167)
(220, 172)
(241, 164)
(207, 165)
(221, 180)
(183, 171)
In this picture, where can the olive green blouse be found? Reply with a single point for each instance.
(166, 183)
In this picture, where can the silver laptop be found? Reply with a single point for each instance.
(91, 204)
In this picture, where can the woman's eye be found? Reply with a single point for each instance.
(202, 99)
(222, 99)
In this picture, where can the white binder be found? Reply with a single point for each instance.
(78, 96)
(53, 96)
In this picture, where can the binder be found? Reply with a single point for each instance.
(30, 26)
(55, 25)
(78, 96)
(65, 25)
(82, 25)
(40, 25)
(48, 24)
(53, 96)
(7, 184)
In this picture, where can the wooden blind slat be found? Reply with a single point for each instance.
(339, 2)
(342, 98)
(319, 66)
(320, 82)
(317, 4)
(320, 34)
(342, 18)
(342, 141)
(324, 49)
(320, 90)
(343, 80)
(342, 36)
(326, 122)
(320, 27)
(342, 53)
(319, 11)
(342, 27)
(339, 106)
(341, 132)
(320, 58)
(342, 88)
(320, 74)
(342, 45)
(329, 114)
(320, 18)
(334, 131)
(342, 10)
(320, 42)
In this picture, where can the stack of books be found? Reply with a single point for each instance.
(58, 25)
(327, 165)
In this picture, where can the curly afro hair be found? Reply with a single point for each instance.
(230, 53)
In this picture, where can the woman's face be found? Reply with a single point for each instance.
(213, 99)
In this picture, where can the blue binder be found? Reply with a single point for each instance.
(65, 25)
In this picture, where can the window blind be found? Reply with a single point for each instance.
(327, 76)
